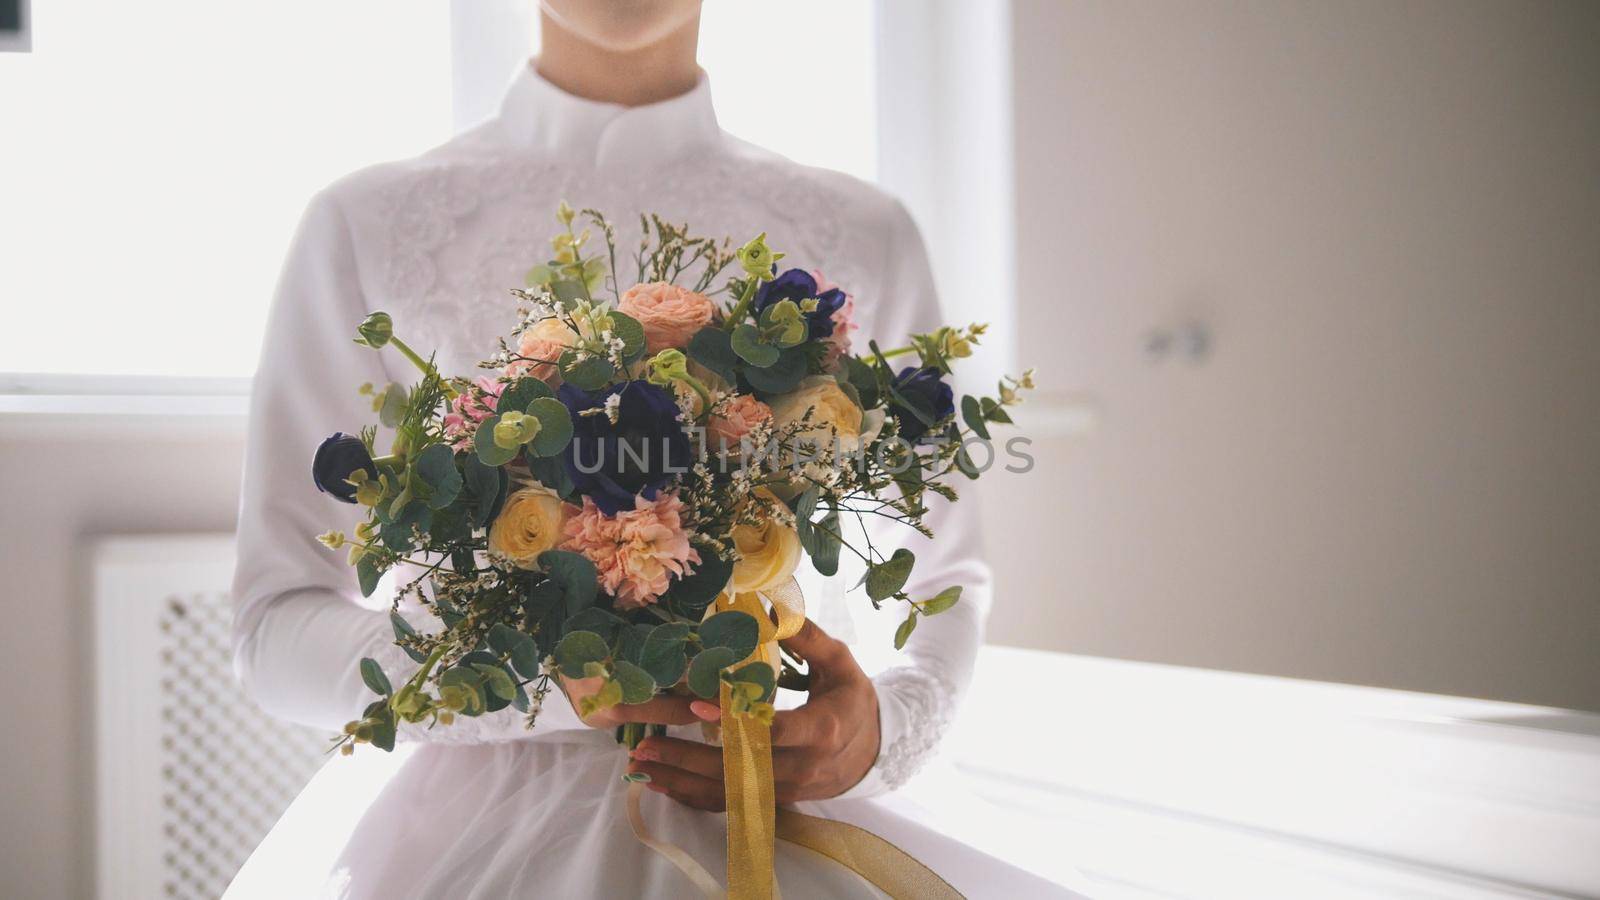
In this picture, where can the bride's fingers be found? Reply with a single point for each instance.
(685, 787)
(701, 759)
(667, 709)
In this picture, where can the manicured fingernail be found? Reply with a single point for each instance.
(637, 777)
(645, 754)
(707, 711)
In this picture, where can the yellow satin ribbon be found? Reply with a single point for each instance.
(754, 822)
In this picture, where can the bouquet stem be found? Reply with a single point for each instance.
(630, 734)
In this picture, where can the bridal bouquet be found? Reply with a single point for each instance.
(632, 487)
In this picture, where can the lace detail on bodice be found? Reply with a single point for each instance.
(929, 705)
(461, 233)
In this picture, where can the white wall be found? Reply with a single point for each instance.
(1388, 213)
(62, 485)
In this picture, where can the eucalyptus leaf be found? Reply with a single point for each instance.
(555, 426)
(552, 473)
(663, 654)
(490, 453)
(403, 630)
(372, 674)
(589, 374)
(782, 376)
(734, 630)
(383, 732)
(632, 638)
(705, 672)
(689, 595)
(393, 410)
(884, 579)
(825, 533)
(487, 486)
(903, 633)
(637, 685)
(758, 673)
(539, 275)
(575, 574)
(965, 464)
(596, 620)
(942, 601)
(577, 650)
(864, 379)
(518, 394)
(712, 348)
(498, 680)
(468, 679)
(746, 342)
(436, 466)
(994, 412)
(367, 574)
(632, 333)
(972, 414)
(567, 291)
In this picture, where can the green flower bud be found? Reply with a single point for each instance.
(375, 330)
(333, 540)
(515, 429)
(564, 213)
(667, 366)
(757, 259)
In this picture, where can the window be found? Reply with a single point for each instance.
(157, 158)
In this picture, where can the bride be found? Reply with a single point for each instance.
(615, 114)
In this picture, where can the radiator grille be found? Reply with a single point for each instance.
(192, 775)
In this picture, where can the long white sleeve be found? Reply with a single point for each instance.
(299, 626)
(917, 698)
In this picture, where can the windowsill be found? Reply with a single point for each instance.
(68, 405)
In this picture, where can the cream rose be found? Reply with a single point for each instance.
(833, 414)
(531, 522)
(768, 554)
(669, 314)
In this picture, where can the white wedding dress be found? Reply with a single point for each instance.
(486, 808)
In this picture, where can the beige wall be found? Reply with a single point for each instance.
(1388, 213)
(61, 487)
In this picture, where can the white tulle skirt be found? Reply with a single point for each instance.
(545, 817)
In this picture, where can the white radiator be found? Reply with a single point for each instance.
(189, 774)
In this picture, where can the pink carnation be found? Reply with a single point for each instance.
(838, 343)
(636, 551)
(469, 409)
(670, 314)
(733, 420)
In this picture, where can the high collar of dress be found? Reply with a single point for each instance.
(539, 115)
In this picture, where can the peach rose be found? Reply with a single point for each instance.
(733, 420)
(541, 346)
(670, 314)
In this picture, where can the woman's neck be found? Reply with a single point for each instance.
(649, 74)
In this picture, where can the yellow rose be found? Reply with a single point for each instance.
(833, 413)
(530, 523)
(768, 554)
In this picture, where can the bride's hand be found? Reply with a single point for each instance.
(666, 709)
(819, 751)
